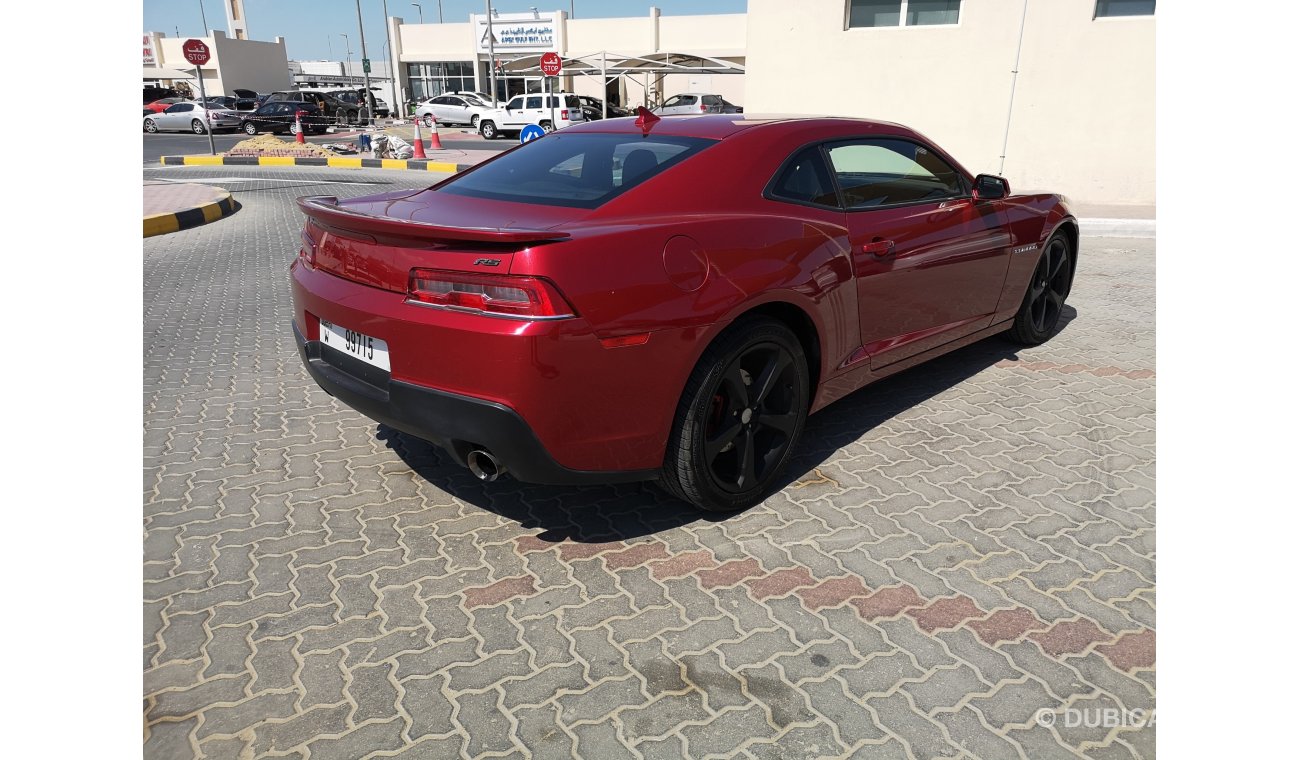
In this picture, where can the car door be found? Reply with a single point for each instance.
(514, 113)
(679, 104)
(176, 117)
(457, 111)
(930, 261)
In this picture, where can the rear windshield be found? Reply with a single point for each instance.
(579, 170)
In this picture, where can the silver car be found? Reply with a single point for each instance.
(191, 117)
(695, 103)
(451, 109)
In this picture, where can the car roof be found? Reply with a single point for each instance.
(720, 126)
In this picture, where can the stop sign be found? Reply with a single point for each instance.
(196, 52)
(551, 64)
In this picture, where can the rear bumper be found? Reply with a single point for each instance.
(456, 422)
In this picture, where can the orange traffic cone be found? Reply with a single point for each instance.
(297, 122)
(435, 143)
(419, 142)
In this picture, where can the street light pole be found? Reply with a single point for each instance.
(365, 75)
(419, 8)
(392, 66)
(347, 44)
(492, 52)
(439, 11)
(204, 15)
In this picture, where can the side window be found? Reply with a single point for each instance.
(712, 100)
(687, 100)
(675, 100)
(885, 172)
(806, 180)
(534, 102)
(516, 103)
(181, 108)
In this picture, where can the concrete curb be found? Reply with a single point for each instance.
(1103, 227)
(338, 162)
(173, 221)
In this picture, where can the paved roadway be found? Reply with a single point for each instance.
(183, 143)
(961, 547)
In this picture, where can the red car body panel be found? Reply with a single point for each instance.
(668, 265)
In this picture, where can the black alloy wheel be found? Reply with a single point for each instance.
(741, 414)
(1045, 298)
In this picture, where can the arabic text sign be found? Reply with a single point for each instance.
(533, 35)
(196, 52)
(149, 58)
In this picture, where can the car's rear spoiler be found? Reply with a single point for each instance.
(327, 212)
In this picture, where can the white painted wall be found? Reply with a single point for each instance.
(1084, 116)
(244, 64)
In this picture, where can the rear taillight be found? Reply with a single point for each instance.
(703, 108)
(499, 295)
(564, 114)
(309, 242)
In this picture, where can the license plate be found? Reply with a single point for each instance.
(372, 351)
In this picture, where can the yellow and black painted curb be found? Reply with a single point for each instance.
(161, 224)
(338, 162)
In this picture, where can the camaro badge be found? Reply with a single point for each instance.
(1025, 248)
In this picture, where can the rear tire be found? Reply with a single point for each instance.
(739, 418)
(150, 126)
(1044, 301)
(546, 125)
(250, 129)
(473, 121)
(197, 127)
(428, 120)
(488, 129)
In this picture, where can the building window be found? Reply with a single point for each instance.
(868, 13)
(1125, 8)
(428, 80)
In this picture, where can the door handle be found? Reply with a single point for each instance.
(879, 247)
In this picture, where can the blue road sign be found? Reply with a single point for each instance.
(530, 133)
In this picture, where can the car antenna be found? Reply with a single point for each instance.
(645, 120)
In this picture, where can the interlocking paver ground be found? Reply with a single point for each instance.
(957, 548)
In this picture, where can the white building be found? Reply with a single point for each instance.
(1070, 93)
(235, 63)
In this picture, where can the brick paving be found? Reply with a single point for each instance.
(959, 548)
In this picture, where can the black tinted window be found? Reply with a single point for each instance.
(583, 170)
(806, 180)
(884, 172)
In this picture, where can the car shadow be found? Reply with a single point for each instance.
(596, 514)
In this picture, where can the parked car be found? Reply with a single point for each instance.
(352, 97)
(281, 118)
(191, 117)
(696, 103)
(451, 109)
(592, 109)
(667, 300)
(523, 110)
(158, 106)
(339, 111)
(153, 93)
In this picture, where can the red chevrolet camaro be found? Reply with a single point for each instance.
(668, 299)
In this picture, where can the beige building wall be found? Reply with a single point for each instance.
(243, 64)
(1083, 122)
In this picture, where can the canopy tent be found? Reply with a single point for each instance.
(609, 65)
(152, 72)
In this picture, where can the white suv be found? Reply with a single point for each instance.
(523, 110)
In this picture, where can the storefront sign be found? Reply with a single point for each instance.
(149, 58)
(518, 33)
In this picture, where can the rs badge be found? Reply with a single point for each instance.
(487, 262)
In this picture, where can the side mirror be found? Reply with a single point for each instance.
(989, 187)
